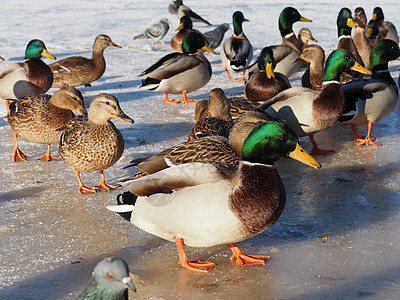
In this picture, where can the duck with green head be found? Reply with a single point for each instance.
(265, 83)
(208, 204)
(32, 76)
(309, 111)
(371, 100)
(237, 51)
(178, 73)
(185, 27)
(290, 48)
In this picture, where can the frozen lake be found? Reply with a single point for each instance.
(338, 237)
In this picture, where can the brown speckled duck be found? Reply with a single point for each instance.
(79, 70)
(37, 118)
(304, 36)
(32, 76)
(218, 121)
(265, 83)
(214, 204)
(93, 143)
(313, 77)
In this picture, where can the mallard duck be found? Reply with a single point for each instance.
(309, 111)
(370, 100)
(237, 51)
(110, 280)
(239, 203)
(155, 32)
(372, 33)
(360, 39)
(30, 77)
(37, 118)
(344, 24)
(79, 70)
(304, 36)
(179, 9)
(214, 37)
(178, 73)
(265, 83)
(313, 77)
(386, 29)
(185, 27)
(218, 121)
(93, 143)
(360, 19)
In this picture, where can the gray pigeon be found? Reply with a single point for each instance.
(179, 9)
(214, 37)
(155, 32)
(110, 280)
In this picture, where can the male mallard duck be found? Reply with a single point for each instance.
(79, 70)
(178, 73)
(179, 9)
(218, 122)
(184, 28)
(237, 51)
(93, 143)
(386, 29)
(372, 33)
(370, 100)
(304, 36)
(155, 32)
(309, 111)
(344, 24)
(37, 118)
(214, 37)
(110, 280)
(30, 77)
(313, 77)
(239, 203)
(265, 83)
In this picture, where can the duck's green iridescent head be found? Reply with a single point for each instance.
(289, 16)
(377, 14)
(383, 52)
(267, 62)
(272, 140)
(339, 61)
(238, 19)
(185, 23)
(37, 49)
(344, 22)
(194, 41)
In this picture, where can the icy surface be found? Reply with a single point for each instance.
(338, 237)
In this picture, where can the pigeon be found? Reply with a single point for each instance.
(155, 32)
(110, 280)
(179, 9)
(214, 37)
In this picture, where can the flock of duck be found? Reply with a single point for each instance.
(225, 168)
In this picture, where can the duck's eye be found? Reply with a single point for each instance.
(284, 136)
(346, 57)
(107, 103)
(109, 275)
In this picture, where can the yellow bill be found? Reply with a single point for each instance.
(206, 48)
(302, 156)
(359, 68)
(374, 16)
(268, 70)
(304, 19)
(350, 22)
(47, 54)
(179, 27)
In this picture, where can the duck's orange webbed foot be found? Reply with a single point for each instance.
(18, 155)
(196, 266)
(166, 100)
(242, 259)
(316, 149)
(48, 156)
(227, 73)
(369, 140)
(186, 100)
(104, 185)
(240, 79)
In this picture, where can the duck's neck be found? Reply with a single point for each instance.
(237, 28)
(382, 73)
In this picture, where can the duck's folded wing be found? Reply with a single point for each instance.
(171, 65)
(73, 63)
(177, 177)
(287, 94)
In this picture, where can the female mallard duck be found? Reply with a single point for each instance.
(239, 203)
(386, 29)
(218, 122)
(185, 27)
(237, 51)
(304, 36)
(93, 143)
(79, 70)
(370, 100)
(313, 77)
(37, 118)
(309, 111)
(360, 39)
(178, 73)
(30, 77)
(265, 83)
